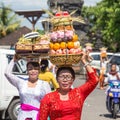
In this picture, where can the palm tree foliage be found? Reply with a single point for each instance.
(105, 17)
(8, 21)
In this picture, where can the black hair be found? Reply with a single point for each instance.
(113, 64)
(34, 64)
(70, 69)
(43, 65)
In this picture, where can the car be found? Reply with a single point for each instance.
(115, 60)
(96, 59)
(113, 57)
(9, 97)
(94, 63)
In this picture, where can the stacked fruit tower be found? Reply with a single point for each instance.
(65, 47)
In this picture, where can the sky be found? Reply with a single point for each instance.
(18, 5)
(91, 2)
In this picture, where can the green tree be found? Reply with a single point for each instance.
(105, 17)
(8, 21)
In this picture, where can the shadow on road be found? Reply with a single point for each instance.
(108, 116)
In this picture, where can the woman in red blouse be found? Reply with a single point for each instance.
(66, 103)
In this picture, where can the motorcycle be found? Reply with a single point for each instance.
(113, 97)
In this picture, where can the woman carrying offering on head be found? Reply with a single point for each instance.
(66, 103)
(31, 91)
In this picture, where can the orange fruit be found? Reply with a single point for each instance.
(51, 45)
(56, 46)
(75, 38)
(70, 45)
(63, 45)
(68, 27)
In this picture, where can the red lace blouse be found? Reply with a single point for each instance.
(56, 109)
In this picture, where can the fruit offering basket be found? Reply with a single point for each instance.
(103, 53)
(40, 48)
(65, 47)
(32, 44)
(69, 59)
(20, 48)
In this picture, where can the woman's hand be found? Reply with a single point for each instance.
(15, 58)
(84, 60)
(85, 57)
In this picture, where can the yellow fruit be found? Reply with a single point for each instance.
(56, 46)
(63, 45)
(75, 38)
(51, 45)
(70, 45)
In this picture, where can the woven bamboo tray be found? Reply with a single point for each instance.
(28, 51)
(41, 48)
(68, 59)
(23, 48)
(32, 55)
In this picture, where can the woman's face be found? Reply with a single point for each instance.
(113, 68)
(33, 72)
(65, 80)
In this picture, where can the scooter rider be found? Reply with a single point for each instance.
(113, 91)
(113, 74)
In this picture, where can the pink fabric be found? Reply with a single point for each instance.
(27, 107)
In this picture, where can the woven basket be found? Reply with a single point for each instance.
(103, 55)
(65, 59)
(41, 48)
(23, 48)
(31, 51)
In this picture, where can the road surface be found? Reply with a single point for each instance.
(94, 107)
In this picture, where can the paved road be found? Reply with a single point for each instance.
(94, 107)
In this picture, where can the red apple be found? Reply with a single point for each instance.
(78, 50)
(72, 51)
(65, 51)
(52, 52)
(58, 52)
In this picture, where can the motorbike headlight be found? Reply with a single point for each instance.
(116, 83)
(111, 94)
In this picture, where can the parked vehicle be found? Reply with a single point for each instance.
(113, 98)
(115, 59)
(9, 97)
(96, 62)
(96, 59)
